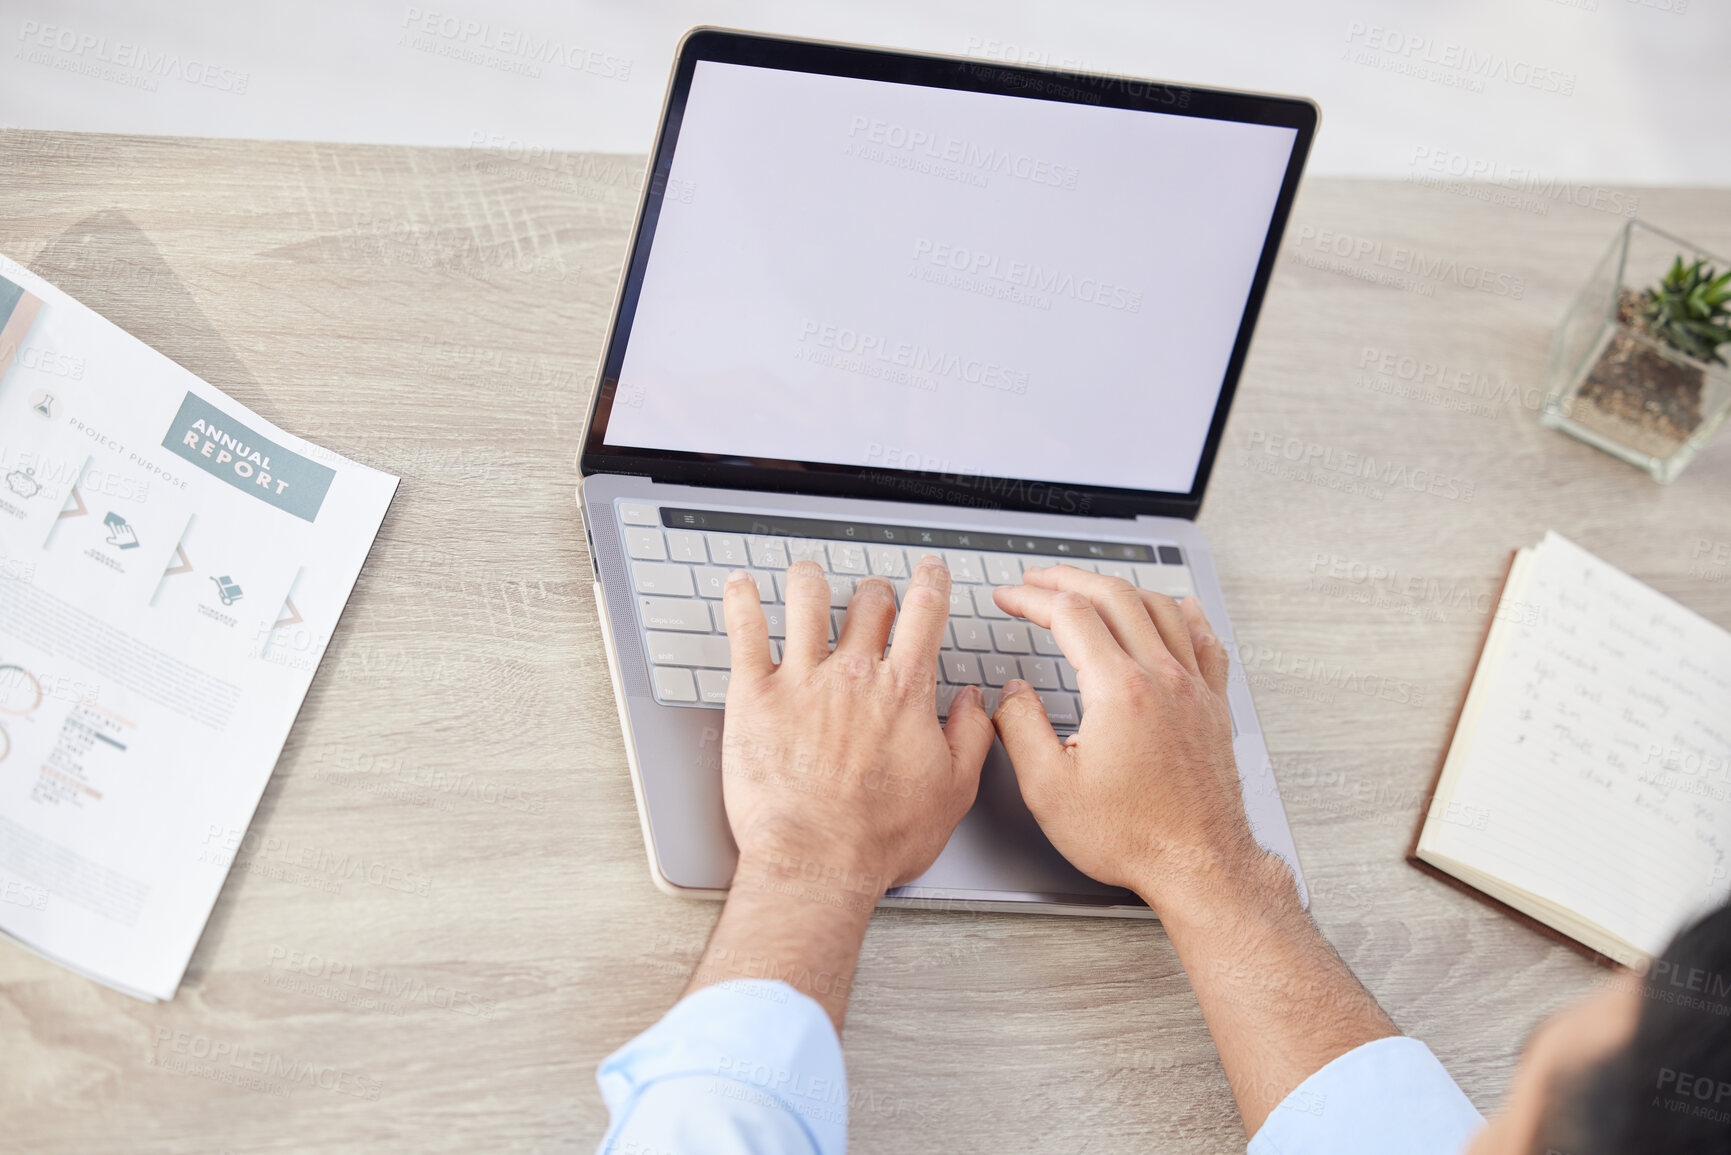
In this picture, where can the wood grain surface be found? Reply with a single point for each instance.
(438, 314)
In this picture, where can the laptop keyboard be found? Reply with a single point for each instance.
(680, 558)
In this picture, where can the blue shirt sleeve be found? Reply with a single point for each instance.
(1387, 1095)
(749, 1067)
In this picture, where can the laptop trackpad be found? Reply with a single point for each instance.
(999, 847)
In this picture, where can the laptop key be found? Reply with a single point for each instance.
(632, 513)
(1003, 569)
(972, 634)
(805, 549)
(996, 669)
(965, 567)
(644, 543)
(848, 557)
(1060, 709)
(727, 549)
(1171, 580)
(674, 685)
(661, 578)
(675, 614)
(686, 545)
(1044, 642)
(711, 580)
(1115, 569)
(712, 686)
(767, 552)
(1067, 676)
(984, 605)
(687, 650)
(1040, 673)
(961, 605)
(959, 669)
(1011, 637)
(887, 561)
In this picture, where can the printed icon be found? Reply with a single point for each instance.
(121, 535)
(44, 403)
(76, 506)
(227, 590)
(23, 482)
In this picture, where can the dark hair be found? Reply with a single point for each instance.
(1668, 1089)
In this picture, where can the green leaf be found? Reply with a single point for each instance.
(1687, 310)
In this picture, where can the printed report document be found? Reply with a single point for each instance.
(171, 567)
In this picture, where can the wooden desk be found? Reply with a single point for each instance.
(438, 313)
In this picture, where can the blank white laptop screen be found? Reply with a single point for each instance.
(859, 272)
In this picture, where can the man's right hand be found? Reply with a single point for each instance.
(1146, 794)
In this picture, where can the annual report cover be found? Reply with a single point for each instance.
(172, 566)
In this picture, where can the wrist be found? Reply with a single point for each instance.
(834, 879)
(792, 918)
(1214, 887)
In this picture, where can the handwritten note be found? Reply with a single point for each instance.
(1601, 749)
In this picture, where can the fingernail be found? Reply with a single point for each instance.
(739, 575)
(933, 559)
(1014, 686)
(974, 693)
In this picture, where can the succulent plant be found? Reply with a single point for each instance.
(1688, 310)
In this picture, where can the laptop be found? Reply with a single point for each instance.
(881, 304)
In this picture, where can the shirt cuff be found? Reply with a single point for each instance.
(749, 1066)
(1387, 1095)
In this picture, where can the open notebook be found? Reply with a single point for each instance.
(1588, 782)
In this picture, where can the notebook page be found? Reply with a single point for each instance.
(1598, 775)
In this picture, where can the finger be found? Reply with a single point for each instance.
(1173, 626)
(1118, 603)
(807, 616)
(1075, 625)
(1211, 656)
(747, 632)
(871, 609)
(1036, 754)
(969, 733)
(925, 609)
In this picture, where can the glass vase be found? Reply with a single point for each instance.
(1621, 390)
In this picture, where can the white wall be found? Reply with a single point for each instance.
(1622, 91)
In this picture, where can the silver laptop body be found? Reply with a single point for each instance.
(765, 380)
